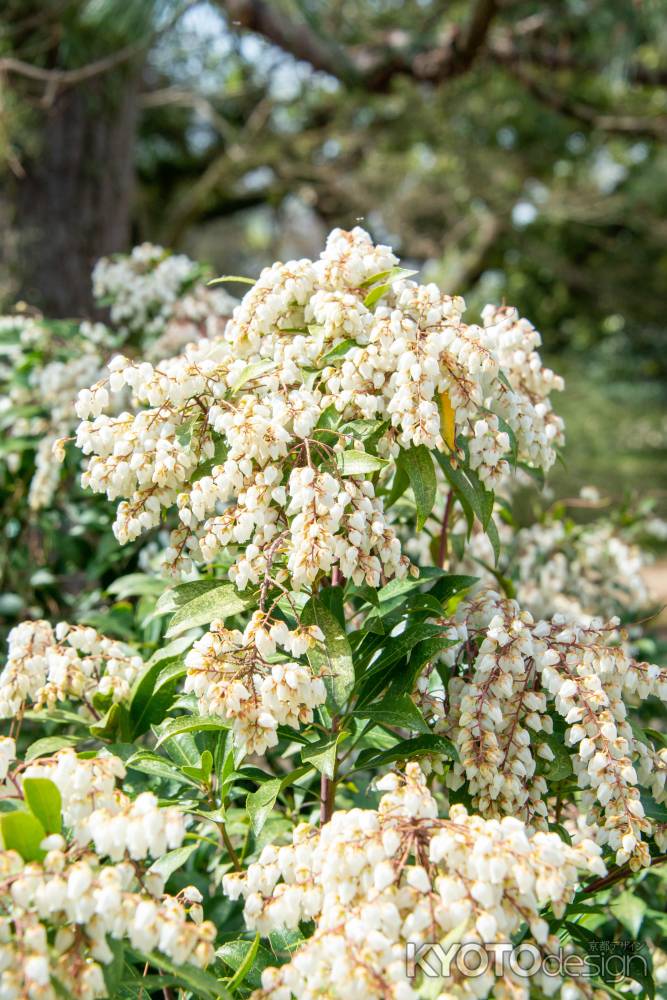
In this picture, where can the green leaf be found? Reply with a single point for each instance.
(329, 418)
(376, 294)
(418, 465)
(188, 724)
(398, 487)
(260, 803)
(452, 586)
(339, 351)
(202, 772)
(362, 428)
(398, 588)
(135, 585)
(393, 274)
(59, 715)
(469, 490)
(245, 966)
(113, 970)
(203, 984)
(146, 707)
(232, 277)
(421, 654)
(357, 463)
(49, 745)
(332, 658)
(45, 802)
(176, 597)
(494, 538)
(629, 909)
(395, 710)
(378, 291)
(183, 748)
(221, 602)
(419, 746)
(560, 767)
(151, 763)
(114, 725)
(378, 674)
(322, 754)
(250, 372)
(154, 690)
(173, 860)
(23, 832)
(170, 650)
(235, 953)
(220, 452)
(654, 810)
(172, 670)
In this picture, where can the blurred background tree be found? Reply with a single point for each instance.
(511, 149)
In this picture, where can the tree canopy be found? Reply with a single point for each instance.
(517, 148)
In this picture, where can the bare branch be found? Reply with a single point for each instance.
(69, 77)
(57, 79)
(580, 111)
(296, 38)
(170, 96)
(371, 67)
(504, 50)
(475, 35)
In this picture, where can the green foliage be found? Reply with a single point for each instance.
(43, 799)
(23, 832)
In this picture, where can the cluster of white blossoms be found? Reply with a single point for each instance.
(526, 410)
(36, 408)
(229, 672)
(578, 570)
(586, 570)
(85, 784)
(372, 881)
(141, 287)
(101, 815)
(506, 670)
(46, 665)
(160, 297)
(59, 913)
(257, 436)
(202, 312)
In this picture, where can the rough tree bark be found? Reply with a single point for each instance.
(73, 202)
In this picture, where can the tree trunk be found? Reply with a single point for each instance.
(73, 205)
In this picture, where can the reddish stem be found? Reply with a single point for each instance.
(326, 799)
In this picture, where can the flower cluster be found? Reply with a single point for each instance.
(506, 670)
(36, 408)
(101, 815)
(59, 914)
(141, 287)
(46, 665)
(372, 881)
(61, 911)
(578, 570)
(526, 410)
(590, 569)
(229, 673)
(202, 312)
(258, 436)
(159, 298)
(85, 784)
(156, 294)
